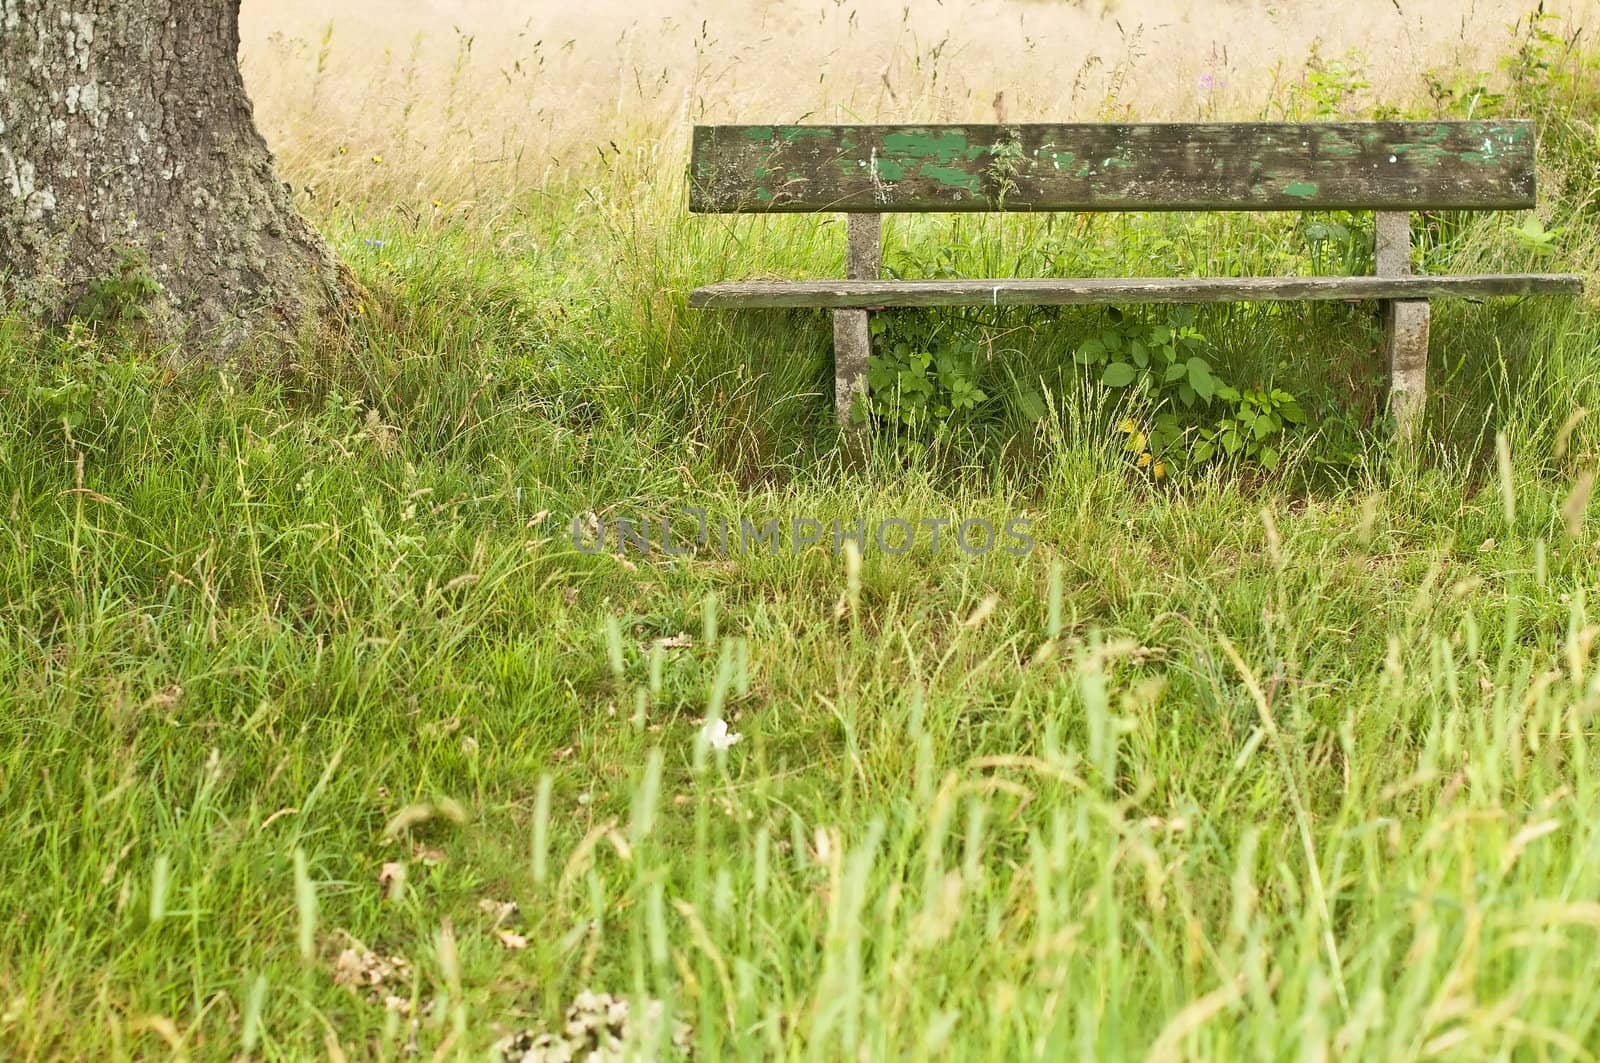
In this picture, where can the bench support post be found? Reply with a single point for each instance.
(1405, 328)
(852, 338)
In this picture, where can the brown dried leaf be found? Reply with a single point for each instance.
(392, 878)
(501, 910)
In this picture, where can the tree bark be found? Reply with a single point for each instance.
(128, 149)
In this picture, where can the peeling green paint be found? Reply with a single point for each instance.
(888, 170)
(951, 177)
(941, 148)
(1118, 167)
(1337, 148)
(1424, 154)
(1064, 160)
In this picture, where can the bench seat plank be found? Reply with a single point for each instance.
(865, 294)
(1114, 166)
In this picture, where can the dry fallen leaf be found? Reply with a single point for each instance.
(511, 940)
(359, 968)
(598, 1026)
(392, 877)
(349, 968)
(167, 696)
(501, 910)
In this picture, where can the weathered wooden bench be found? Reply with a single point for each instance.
(1392, 168)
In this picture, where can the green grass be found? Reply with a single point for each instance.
(1245, 765)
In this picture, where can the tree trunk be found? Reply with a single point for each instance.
(131, 172)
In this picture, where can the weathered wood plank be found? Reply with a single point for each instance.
(1105, 167)
(1405, 328)
(852, 338)
(838, 294)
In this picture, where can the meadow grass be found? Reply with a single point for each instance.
(305, 679)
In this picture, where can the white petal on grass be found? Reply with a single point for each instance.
(718, 736)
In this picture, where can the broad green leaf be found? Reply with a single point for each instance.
(1118, 375)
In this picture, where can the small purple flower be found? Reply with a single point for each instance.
(373, 243)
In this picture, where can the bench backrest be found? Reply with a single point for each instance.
(1107, 167)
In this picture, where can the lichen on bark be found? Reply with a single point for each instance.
(125, 129)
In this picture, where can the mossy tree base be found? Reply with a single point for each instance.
(126, 136)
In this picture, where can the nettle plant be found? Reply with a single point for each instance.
(1182, 411)
(922, 370)
(1338, 242)
(122, 296)
(1189, 414)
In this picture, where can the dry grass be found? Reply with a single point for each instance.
(465, 98)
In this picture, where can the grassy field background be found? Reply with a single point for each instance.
(321, 738)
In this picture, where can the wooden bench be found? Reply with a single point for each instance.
(1392, 168)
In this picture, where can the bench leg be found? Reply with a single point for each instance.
(852, 344)
(852, 337)
(1405, 348)
(1405, 327)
